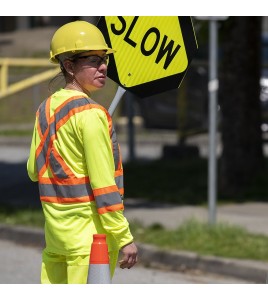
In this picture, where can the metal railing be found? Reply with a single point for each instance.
(7, 88)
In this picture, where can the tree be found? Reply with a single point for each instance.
(242, 157)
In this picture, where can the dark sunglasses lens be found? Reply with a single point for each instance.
(95, 60)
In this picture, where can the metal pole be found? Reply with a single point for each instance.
(129, 103)
(119, 94)
(131, 129)
(213, 89)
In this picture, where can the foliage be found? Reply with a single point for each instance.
(21, 216)
(170, 181)
(183, 182)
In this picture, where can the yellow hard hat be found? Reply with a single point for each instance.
(76, 37)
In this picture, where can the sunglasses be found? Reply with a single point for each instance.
(95, 60)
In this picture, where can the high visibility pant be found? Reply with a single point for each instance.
(60, 269)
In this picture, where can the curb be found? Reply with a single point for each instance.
(23, 235)
(151, 256)
(254, 271)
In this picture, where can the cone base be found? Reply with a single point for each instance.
(99, 273)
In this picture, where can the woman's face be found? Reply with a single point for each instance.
(90, 70)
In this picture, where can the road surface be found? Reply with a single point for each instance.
(21, 265)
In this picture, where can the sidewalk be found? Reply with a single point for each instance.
(251, 216)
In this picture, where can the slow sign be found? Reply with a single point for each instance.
(152, 53)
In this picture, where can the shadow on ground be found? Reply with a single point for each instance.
(16, 189)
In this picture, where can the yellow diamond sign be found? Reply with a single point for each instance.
(152, 53)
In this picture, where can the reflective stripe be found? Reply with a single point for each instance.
(115, 150)
(65, 181)
(67, 200)
(65, 191)
(119, 180)
(64, 187)
(41, 159)
(105, 190)
(111, 208)
(61, 169)
(108, 199)
(59, 114)
(56, 166)
(42, 117)
(107, 196)
(64, 111)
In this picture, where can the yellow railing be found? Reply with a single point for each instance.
(7, 89)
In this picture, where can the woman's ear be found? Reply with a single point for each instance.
(68, 65)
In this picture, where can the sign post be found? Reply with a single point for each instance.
(119, 94)
(213, 86)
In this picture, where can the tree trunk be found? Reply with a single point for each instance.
(242, 157)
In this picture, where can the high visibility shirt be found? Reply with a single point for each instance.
(76, 160)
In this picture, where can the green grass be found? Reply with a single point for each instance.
(16, 132)
(218, 240)
(25, 216)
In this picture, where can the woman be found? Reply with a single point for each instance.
(76, 160)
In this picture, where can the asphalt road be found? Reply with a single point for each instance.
(21, 265)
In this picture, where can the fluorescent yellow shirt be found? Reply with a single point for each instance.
(85, 145)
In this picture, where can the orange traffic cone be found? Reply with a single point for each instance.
(99, 267)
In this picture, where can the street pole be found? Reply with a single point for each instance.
(213, 85)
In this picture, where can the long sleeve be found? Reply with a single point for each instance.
(101, 170)
(31, 163)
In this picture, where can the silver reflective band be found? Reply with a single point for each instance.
(65, 191)
(119, 180)
(108, 199)
(115, 149)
